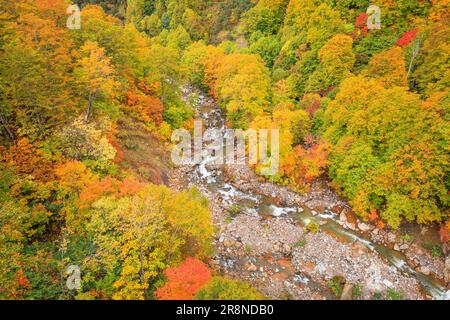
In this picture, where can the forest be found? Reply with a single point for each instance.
(87, 114)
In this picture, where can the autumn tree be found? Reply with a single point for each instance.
(387, 151)
(389, 67)
(154, 229)
(221, 288)
(336, 61)
(35, 63)
(243, 86)
(95, 75)
(432, 63)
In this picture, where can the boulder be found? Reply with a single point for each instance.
(287, 249)
(391, 237)
(447, 270)
(364, 226)
(229, 243)
(404, 246)
(424, 269)
(351, 226)
(252, 268)
(347, 292)
(387, 283)
(342, 216)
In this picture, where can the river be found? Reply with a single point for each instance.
(254, 203)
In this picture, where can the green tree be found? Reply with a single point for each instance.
(220, 288)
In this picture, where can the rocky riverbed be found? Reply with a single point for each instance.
(261, 235)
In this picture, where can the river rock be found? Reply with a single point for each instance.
(351, 226)
(252, 268)
(287, 249)
(404, 246)
(276, 247)
(387, 283)
(391, 237)
(447, 270)
(229, 243)
(364, 226)
(342, 216)
(424, 269)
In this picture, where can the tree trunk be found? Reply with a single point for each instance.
(5, 125)
(414, 53)
(163, 98)
(141, 260)
(89, 107)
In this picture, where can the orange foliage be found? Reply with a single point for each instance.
(380, 224)
(119, 157)
(373, 215)
(109, 186)
(149, 108)
(184, 281)
(149, 89)
(74, 176)
(303, 165)
(27, 160)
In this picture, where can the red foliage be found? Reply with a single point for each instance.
(444, 232)
(360, 25)
(380, 224)
(120, 156)
(184, 281)
(407, 37)
(22, 279)
(313, 106)
(361, 20)
(116, 145)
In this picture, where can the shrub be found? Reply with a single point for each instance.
(85, 142)
(377, 296)
(301, 243)
(435, 249)
(220, 288)
(392, 294)
(357, 291)
(336, 284)
(407, 237)
(313, 227)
